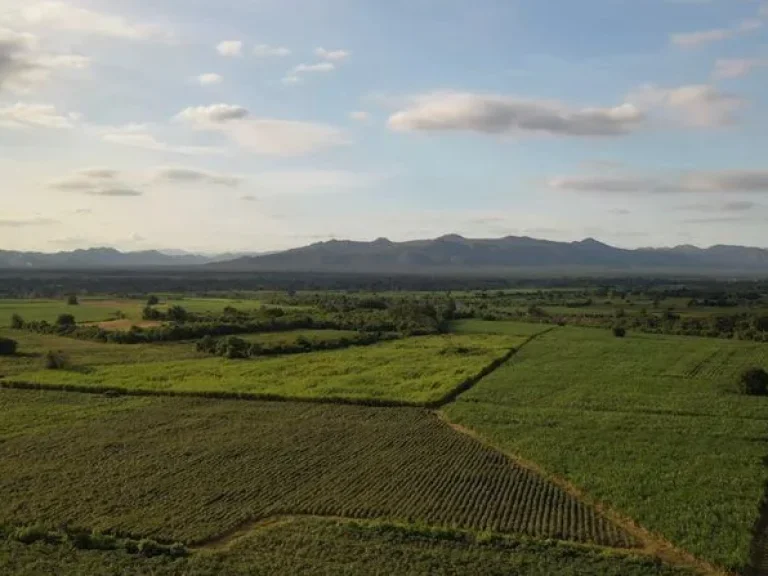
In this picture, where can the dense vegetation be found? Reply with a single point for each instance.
(321, 546)
(647, 424)
(94, 463)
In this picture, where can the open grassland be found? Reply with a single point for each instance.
(508, 328)
(88, 310)
(414, 370)
(324, 546)
(643, 424)
(194, 470)
(86, 355)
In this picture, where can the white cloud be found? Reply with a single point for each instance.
(23, 65)
(139, 136)
(214, 114)
(26, 222)
(209, 79)
(360, 116)
(189, 175)
(732, 181)
(22, 115)
(319, 67)
(57, 15)
(737, 67)
(701, 37)
(697, 105)
(265, 136)
(266, 51)
(230, 48)
(497, 114)
(331, 54)
(309, 181)
(96, 182)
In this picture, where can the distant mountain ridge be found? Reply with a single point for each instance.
(447, 254)
(107, 258)
(454, 253)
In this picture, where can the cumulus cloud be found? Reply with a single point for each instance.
(209, 79)
(496, 114)
(319, 67)
(23, 65)
(189, 175)
(265, 136)
(359, 116)
(139, 136)
(701, 37)
(22, 115)
(214, 114)
(725, 181)
(697, 105)
(230, 48)
(267, 51)
(737, 67)
(58, 15)
(331, 54)
(26, 222)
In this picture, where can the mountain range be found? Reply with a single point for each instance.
(447, 254)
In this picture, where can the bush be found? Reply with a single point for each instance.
(153, 300)
(177, 314)
(17, 322)
(72, 300)
(753, 382)
(8, 347)
(55, 360)
(619, 331)
(65, 320)
(150, 313)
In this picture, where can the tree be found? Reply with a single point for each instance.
(17, 322)
(55, 360)
(65, 320)
(153, 300)
(177, 314)
(72, 300)
(150, 313)
(753, 382)
(619, 331)
(8, 347)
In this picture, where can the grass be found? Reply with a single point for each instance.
(521, 329)
(321, 546)
(88, 310)
(642, 423)
(192, 470)
(85, 354)
(414, 370)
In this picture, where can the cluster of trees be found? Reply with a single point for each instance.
(234, 347)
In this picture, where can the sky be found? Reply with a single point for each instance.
(253, 125)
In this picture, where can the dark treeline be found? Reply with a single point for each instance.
(233, 347)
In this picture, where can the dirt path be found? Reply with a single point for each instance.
(651, 544)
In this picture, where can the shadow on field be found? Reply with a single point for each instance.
(758, 553)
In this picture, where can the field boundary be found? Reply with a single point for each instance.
(651, 544)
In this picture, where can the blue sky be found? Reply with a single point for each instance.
(265, 124)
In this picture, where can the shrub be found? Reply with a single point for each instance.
(7, 347)
(147, 547)
(65, 320)
(32, 534)
(55, 360)
(619, 331)
(72, 300)
(150, 313)
(177, 314)
(153, 300)
(17, 322)
(753, 382)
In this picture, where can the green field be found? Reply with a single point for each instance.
(291, 336)
(322, 546)
(643, 424)
(88, 310)
(520, 329)
(415, 370)
(193, 470)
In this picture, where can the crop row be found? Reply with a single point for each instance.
(189, 470)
